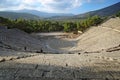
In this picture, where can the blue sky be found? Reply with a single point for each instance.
(56, 6)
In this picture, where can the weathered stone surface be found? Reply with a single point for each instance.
(2, 59)
(102, 64)
(7, 74)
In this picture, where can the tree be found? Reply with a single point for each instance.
(47, 26)
(118, 14)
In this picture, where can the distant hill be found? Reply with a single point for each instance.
(15, 15)
(34, 14)
(108, 11)
(43, 14)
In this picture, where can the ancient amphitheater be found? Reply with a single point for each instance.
(94, 55)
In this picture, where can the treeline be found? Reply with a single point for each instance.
(48, 26)
(82, 25)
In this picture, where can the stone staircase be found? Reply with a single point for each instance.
(60, 67)
(19, 40)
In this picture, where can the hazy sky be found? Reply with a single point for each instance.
(56, 6)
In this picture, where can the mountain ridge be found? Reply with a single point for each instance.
(104, 12)
(107, 11)
(43, 14)
(15, 15)
(34, 14)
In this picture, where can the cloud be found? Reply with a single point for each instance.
(41, 5)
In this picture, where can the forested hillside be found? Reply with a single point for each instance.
(15, 15)
(104, 12)
(47, 25)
